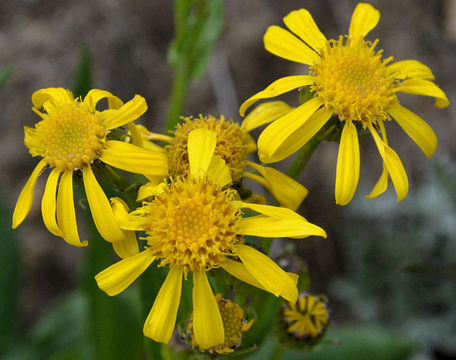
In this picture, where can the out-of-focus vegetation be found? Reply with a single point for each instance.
(401, 268)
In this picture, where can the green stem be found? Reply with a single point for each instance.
(178, 95)
(111, 328)
(149, 284)
(307, 151)
(328, 132)
(278, 352)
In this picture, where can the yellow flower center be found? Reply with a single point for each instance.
(192, 224)
(68, 137)
(307, 319)
(233, 324)
(352, 80)
(230, 145)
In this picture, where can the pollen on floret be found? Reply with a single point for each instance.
(307, 319)
(192, 224)
(352, 80)
(230, 144)
(234, 324)
(68, 137)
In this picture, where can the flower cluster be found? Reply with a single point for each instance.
(348, 80)
(194, 210)
(192, 214)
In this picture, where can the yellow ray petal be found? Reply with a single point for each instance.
(425, 88)
(218, 172)
(148, 135)
(136, 137)
(278, 227)
(30, 138)
(249, 143)
(256, 199)
(55, 96)
(348, 163)
(129, 221)
(302, 24)
(150, 189)
(238, 270)
(294, 277)
(119, 276)
(393, 165)
(364, 19)
(129, 246)
(129, 157)
(273, 211)
(161, 320)
(282, 43)
(66, 215)
(276, 88)
(25, 200)
(150, 146)
(130, 111)
(49, 203)
(268, 273)
(286, 190)
(95, 95)
(114, 103)
(382, 183)
(288, 134)
(125, 220)
(119, 206)
(101, 209)
(411, 69)
(264, 114)
(207, 321)
(415, 127)
(201, 146)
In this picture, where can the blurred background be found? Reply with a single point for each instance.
(388, 269)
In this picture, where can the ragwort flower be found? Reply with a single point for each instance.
(234, 143)
(193, 225)
(351, 80)
(307, 319)
(70, 137)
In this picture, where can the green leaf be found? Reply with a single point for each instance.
(9, 281)
(4, 74)
(265, 306)
(149, 284)
(83, 75)
(350, 343)
(58, 333)
(198, 24)
(113, 331)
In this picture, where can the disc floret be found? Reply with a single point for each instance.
(68, 137)
(353, 81)
(230, 144)
(192, 225)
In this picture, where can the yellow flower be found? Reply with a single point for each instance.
(233, 145)
(234, 325)
(349, 79)
(193, 225)
(71, 136)
(307, 319)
